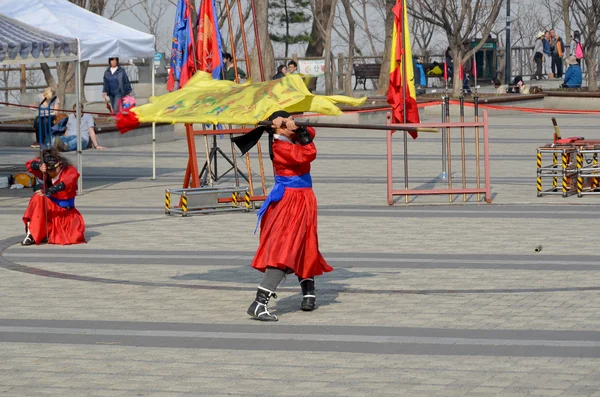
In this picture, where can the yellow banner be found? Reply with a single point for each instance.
(206, 101)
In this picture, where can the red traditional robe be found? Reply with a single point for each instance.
(288, 229)
(64, 225)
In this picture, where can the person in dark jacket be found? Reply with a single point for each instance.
(573, 77)
(281, 71)
(116, 84)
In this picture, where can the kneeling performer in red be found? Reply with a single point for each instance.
(288, 217)
(51, 212)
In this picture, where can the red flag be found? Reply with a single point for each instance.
(401, 92)
(474, 66)
(209, 53)
(461, 73)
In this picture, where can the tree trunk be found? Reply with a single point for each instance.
(329, 70)
(456, 61)
(384, 74)
(268, 57)
(590, 63)
(351, 30)
(316, 45)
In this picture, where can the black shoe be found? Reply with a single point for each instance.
(309, 300)
(258, 309)
(28, 240)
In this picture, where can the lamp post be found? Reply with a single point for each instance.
(507, 55)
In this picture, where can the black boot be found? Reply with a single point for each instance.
(258, 309)
(308, 291)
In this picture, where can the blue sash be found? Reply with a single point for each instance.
(276, 194)
(68, 203)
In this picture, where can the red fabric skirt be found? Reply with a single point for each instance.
(65, 226)
(288, 236)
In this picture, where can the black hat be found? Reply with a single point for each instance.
(250, 139)
(51, 161)
(279, 113)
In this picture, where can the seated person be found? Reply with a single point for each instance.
(229, 71)
(68, 142)
(281, 71)
(573, 77)
(292, 67)
(57, 219)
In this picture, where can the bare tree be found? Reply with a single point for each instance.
(461, 20)
(325, 25)
(586, 14)
(150, 13)
(422, 33)
(352, 31)
(268, 57)
(384, 74)
(321, 10)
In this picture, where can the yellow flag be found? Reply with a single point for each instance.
(206, 101)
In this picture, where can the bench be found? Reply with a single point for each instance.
(365, 71)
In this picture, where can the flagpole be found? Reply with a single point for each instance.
(404, 90)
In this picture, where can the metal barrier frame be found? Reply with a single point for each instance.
(564, 170)
(486, 190)
(236, 203)
(590, 171)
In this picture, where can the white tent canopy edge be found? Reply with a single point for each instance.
(98, 37)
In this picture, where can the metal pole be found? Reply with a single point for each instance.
(449, 148)
(78, 117)
(477, 163)
(444, 174)
(232, 42)
(153, 129)
(507, 55)
(243, 31)
(462, 147)
(405, 91)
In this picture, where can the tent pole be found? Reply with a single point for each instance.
(153, 129)
(78, 116)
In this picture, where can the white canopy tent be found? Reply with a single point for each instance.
(98, 37)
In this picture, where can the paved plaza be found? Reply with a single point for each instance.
(427, 299)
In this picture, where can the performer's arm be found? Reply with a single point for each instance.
(292, 154)
(33, 166)
(59, 187)
(69, 177)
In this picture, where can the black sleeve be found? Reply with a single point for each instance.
(57, 188)
(35, 165)
(303, 136)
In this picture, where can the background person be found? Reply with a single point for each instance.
(538, 56)
(281, 71)
(47, 98)
(116, 84)
(548, 54)
(68, 142)
(292, 67)
(229, 71)
(558, 48)
(573, 77)
(576, 48)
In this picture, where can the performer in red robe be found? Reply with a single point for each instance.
(51, 213)
(288, 217)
